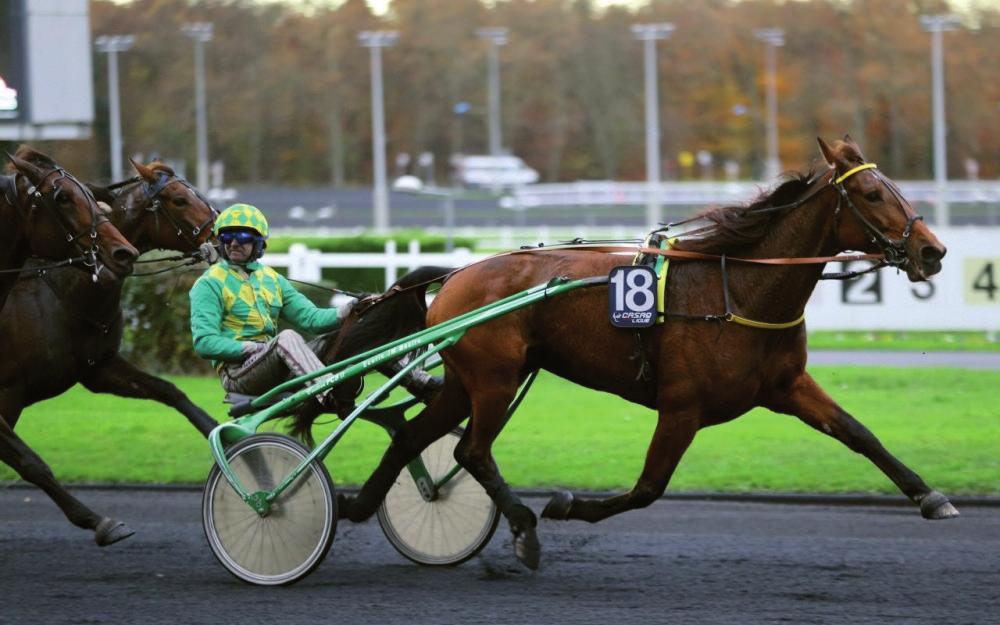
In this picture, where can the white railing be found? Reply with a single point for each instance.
(699, 193)
(307, 264)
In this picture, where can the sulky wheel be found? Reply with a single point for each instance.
(295, 535)
(449, 530)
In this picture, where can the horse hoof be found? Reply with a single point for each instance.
(935, 506)
(110, 531)
(559, 506)
(527, 549)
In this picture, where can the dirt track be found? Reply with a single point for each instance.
(676, 562)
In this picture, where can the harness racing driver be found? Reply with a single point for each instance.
(235, 307)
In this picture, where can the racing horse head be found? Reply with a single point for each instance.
(50, 214)
(873, 216)
(157, 209)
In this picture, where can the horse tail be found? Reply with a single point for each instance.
(374, 321)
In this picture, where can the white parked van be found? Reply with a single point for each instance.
(493, 172)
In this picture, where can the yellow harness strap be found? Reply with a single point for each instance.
(743, 321)
(851, 172)
(661, 281)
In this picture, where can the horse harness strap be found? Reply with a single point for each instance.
(743, 321)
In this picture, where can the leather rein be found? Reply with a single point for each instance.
(893, 251)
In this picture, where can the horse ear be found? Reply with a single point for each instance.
(827, 151)
(33, 172)
(146, 173)
(853, 152)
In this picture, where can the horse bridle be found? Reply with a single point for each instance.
(153, 190)
(894, 250)
(90, 256)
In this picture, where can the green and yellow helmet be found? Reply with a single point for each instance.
(242, 216)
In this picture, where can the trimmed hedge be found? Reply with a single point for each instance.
(368, 242)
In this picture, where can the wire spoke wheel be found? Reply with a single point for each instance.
(449, 530)
(288, 542)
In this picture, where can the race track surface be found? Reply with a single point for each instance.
(676, 562)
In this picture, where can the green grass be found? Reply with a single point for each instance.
(906, 341)
(943, 423)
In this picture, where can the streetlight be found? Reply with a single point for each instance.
(649, 34)
(773, 38)
(201, 33)
(936, 24)
(375, 40)
(496, 37)
(112, 45)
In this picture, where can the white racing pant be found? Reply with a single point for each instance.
(285, 356)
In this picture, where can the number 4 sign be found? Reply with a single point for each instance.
(632, 297)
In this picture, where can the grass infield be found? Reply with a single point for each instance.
(943, 423)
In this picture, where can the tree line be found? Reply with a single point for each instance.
(289, 101)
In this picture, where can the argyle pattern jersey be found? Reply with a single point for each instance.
(228, 307)
(242, 216)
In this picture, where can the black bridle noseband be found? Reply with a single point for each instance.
(894, 250)
(154, 205)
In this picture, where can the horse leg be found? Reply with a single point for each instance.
(807, 401)
(16, 453)
(445, 412)
(120, 377)
(671, 438)
(474, 453)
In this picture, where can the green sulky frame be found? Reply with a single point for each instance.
(437, 338)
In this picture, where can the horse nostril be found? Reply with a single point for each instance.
(124, 256)
(931, 254)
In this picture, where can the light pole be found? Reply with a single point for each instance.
(936, 24)
(649, 34)
(496, 37)
(773, 38)
(375, 40)
(201, 33)
(112, 45)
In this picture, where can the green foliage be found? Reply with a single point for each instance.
(572, 85)
(157, 333)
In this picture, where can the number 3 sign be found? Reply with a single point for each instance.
(632, 297)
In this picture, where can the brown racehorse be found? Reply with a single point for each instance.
(46, 212)
(67, 330)
(704, 373)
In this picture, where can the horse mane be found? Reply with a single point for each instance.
(744, 224)
(27, 153)
(400, 314)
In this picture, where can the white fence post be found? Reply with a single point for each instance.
(413, 253)
(391, 260)
(303, 263)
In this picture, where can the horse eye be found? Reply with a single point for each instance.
(873, 196)
(179, 201)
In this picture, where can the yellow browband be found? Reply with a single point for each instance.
(851, 172)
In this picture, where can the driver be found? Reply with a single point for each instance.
(235, 307)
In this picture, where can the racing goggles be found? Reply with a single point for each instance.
(240, 236)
